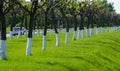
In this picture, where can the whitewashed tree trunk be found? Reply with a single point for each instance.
(111, 29)
(78, 34)
(115, 27)
(66, 37)
(0, 35)
(102, 29)
(82, 33)
(87, 32)
(97, 31)
(19, 34)
(107, 29)
(38, 32)
(57, 40)
(2, 49)
(51, 31)
(29, 46)
(44, 43)
(74, 35)
(90, 33)
(11, 35)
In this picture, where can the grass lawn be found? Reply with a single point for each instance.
(98, 53)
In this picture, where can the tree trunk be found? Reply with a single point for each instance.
(38, 30)
(92, 29)
(11, 29)
(3, 34)
(67, 26)
(20, 31)
(88, 26)
(81, 28)
(75, 28)
(29, 40)
(44, 33)
(67, 31)
(55, 27)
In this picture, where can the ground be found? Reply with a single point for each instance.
(98, 53)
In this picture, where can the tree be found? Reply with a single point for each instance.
(3, 10)
(46, 8)
(31, 11)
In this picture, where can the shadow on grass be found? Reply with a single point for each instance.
(116, 66)
(108, 44)
(59, 64)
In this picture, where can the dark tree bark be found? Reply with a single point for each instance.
(45, 25)
(2, 22)
(67, 21)
(81, 27)
(30, 26)
(54, 21)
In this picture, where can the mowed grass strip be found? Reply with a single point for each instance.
(98, 53)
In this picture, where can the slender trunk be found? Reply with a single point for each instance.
(51, 27)
(29, 40)
(67, 36)
(11, 29)
(38, 30)
(92, 29)
(57, 37)
(88, 26)
(3, 34)
(82, 33)
(33, 32)
(103, 29)
(67, 26)
(20, 31)
(82, 27)
(26, 23)
(97, 29)
(44, 33)
(67, 31)
(55, 27)
(78, 33)
(75, 27)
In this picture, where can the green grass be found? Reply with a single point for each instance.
(97, 53)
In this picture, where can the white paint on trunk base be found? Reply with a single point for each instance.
(91, 31)
(10, 35)
(2, 49)
(66, 37)
(44, 43)
(82, 33)
(57, 40)
(87, 32)
(97, 30)
(102, 29)
(19, 34)
(38, 32)
(29, 46)
(51, 31)
(78, 34)
(74, 35)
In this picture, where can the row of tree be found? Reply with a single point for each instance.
(45, 14)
